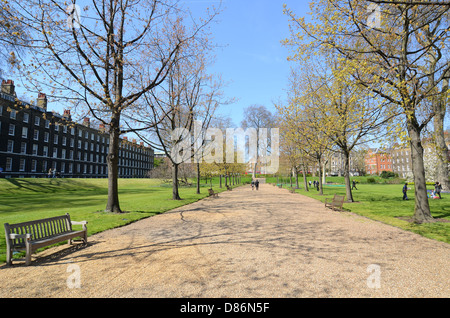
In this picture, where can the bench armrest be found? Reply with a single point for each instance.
(79, 222)
(13, 236)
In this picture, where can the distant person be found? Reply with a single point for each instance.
(405, 189)
(253, 184)
(354, 185)
(309, 183)
(437, 189)
(257, 184)
(49, 174)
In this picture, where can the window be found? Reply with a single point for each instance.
(10, 147)
(86, 135)
(56, 127)
(36, 134)
(47, 123)
(26, 117)
(12, 129)
(80, 133)
(45, 151)
(79, 144)
(72, 141)
(55, 139)
(64, 140)
(33, 165)
(65, 129)
(9, 163)
(35, 149)
(1, 110)
(70, 168)
(63, 153)
(23, 148)
(24, 132)
(72, 131)
(13, 114)
(55, 152)
(37, 120)
(22, 165)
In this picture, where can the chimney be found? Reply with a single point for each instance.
(67, 115)
(102, 127)
(125, 138)
(87, 122)
(8, 87)
(134, 141)
(42, 101)
(142, 144)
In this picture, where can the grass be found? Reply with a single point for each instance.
(85, 199)
(383, 202)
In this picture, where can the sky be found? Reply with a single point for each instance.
(251, 59)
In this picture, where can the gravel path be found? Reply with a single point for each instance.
(258, 244)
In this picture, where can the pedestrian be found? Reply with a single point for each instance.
(437, 189)
(54, 173)
(49, 174)
(354, 185)
(309, 183)
(257, 184)
(405, 189)
(253, 184)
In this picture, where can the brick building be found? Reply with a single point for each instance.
(34, 140)
(378, 161)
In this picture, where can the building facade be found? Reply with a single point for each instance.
(34, 140)
(378, 161)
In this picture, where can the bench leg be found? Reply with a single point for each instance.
(8, 256)
(28, 256)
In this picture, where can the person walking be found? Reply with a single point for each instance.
(354, 185)
(257, 184)
(49, 174)
(437, 189)
(253, 184)
(405, 189)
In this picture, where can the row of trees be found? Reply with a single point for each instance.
(365, 69)
(134, 66)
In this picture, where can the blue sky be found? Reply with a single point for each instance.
(253, 62)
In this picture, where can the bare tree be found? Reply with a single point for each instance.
(258, 117)
(105, 57)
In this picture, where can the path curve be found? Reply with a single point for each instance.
(257, 244)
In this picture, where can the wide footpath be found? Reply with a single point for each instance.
(267, 243)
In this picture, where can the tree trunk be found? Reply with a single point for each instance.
(441, 149)
(198, 178)
(348, 187)
(320, 176)
(175, 194)
(112, 204)
(305, 180)
(422, 212)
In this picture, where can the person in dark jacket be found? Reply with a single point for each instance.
(437, 189)
(405, 189)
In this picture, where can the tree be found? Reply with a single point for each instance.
(258, 117)
(105, 56)
(382, 49)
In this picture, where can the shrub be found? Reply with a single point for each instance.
(371, 180)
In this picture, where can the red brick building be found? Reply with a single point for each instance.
(378, 161)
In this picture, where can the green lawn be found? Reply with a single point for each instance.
(383, 202)
(85, 199)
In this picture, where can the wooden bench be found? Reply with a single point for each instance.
(212, 193)
(291, 190)
(336, 203)
(229, 188)
(32, 235)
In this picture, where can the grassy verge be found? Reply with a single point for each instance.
(85, 199)
(383, 202)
